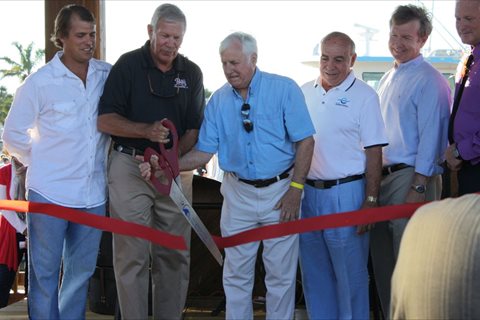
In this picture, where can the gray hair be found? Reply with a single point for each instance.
(342, 36)
(168, 12)
(249, 44)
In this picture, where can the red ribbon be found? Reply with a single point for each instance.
(167, 240)
(351, 218)
(103, 223)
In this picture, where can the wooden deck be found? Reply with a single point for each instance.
(18, 311)
(204, 308)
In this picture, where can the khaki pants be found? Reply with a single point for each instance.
(386, 236)
(246, 207)
(134, 199)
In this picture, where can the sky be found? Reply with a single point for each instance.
(286, 31)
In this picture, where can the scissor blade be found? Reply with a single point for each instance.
(197, 225)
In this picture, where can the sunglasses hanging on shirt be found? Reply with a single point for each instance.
(247, 123)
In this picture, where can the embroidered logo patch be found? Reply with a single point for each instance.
(180, 83)
(186, 211)
(342, 102)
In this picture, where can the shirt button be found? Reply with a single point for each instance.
(323, 102)
(251, 162)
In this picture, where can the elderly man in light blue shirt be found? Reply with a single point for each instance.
(415, 103)
(260, 127)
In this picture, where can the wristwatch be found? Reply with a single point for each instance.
(420, 188)
(372, 199)
(455, 152)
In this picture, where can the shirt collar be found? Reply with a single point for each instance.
(476, 52)
(254, 85)
(409, 64)
(344, 86)
(60, 70)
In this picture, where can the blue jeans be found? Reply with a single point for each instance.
(334, 261)
(51, 242)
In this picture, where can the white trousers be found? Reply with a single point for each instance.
(246, 207)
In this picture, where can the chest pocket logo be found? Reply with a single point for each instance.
(343, 102)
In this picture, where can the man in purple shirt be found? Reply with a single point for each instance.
(463, 154)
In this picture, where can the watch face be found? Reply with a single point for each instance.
(455, 153)
(419, 188)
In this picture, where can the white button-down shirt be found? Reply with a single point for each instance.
(52, 129)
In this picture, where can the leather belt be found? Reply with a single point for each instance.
(395, 167)
(326, 184)
(262, 183)
(127, 150)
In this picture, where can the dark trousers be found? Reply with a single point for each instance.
(7, 276)
(6, 280)
(468, 178)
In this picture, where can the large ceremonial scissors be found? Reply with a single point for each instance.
(168, 161)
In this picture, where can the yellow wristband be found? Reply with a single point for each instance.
(296, 185)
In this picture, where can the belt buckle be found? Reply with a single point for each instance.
(320, 184)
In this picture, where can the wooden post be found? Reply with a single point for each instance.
(52, 7)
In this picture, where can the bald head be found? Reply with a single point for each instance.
(340, 37)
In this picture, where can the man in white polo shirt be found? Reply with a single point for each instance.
(344, 175)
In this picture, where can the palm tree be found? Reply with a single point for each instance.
(5, 103)
(28, 60)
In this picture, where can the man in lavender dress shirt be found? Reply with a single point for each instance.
(463, 154)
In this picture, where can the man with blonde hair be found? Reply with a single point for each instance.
(51, 129)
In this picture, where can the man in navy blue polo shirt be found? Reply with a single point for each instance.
(147, 85)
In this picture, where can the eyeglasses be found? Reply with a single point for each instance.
(247, 123)
(167, 89)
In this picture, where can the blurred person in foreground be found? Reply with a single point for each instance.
(436, 276)
(259, 125)
(51, 129)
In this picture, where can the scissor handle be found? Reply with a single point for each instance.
(162, 188)
(168, 160)
(171, 154)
